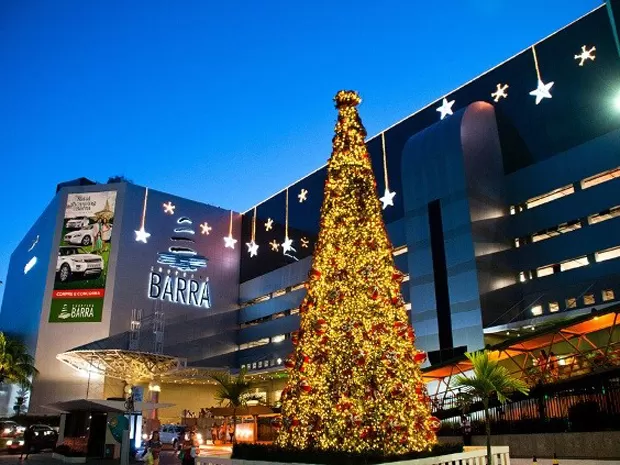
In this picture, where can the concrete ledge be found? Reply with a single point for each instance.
(603, 445)
(64, 459)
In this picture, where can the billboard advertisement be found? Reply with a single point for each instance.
(83, 258)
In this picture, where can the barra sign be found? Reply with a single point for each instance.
(179, 290)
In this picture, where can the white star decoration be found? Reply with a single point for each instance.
(446, 108)
(252, 248)
(205, 228)
(230, 241)
(387, 199)
(542, 91)
(274, 245)
(303, 195)
(268, 224)
(585, 55)
(287, 245)
(169, 207)
(142, 235)
(500, 92)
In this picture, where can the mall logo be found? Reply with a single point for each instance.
(78, 310)
(179, 290)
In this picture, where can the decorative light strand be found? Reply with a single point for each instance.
(388, 197)
(287, 245)
(230, 241)
(141, 234)
(536, 63)
(252, 245)
(542, 90)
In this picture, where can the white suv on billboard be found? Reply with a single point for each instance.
(77, 223)
(71, 262)
(86, 236)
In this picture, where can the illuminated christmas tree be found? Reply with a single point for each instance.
(354, 377)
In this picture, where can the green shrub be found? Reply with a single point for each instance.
(273, 453)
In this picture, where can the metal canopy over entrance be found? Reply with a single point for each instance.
(568, 349)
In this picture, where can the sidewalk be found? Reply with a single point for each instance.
(564, 462)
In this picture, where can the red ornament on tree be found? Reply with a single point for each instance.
(434, 423)
(276, 423)
(315, 274)
(290, 362)
(375, 294)
(420, 357)
(359, 358)
(304, 385)
(295, 337)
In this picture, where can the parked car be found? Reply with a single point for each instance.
(77, 223)
(45, 437)
(72, 262)
(8, 431)
(171, 434)
(86, 236)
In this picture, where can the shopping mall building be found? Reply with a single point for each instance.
(504, 218)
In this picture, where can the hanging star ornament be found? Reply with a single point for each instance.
(252, 248)
(500, 92)
(585, 55)
(303, 195)
(387, 199)
(446, 108)
(269, 224)
(169, 208)
(542, 91)
(287, 245)
(230, 241)
(274, 245)
(205, 228)
(142, 235)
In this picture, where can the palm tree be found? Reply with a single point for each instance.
(235, 393)
(16, 364)
(489, 379)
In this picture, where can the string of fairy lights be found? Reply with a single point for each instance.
(541, 92)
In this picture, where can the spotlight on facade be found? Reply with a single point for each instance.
(617, 102)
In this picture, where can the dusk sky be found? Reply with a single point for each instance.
(225, 102)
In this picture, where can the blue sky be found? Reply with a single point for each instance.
(224, 102)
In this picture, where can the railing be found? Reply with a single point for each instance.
(500, 455)
(593, 407)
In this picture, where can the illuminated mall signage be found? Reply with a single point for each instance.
(179, 290)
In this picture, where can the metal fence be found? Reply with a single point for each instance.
(592, 405)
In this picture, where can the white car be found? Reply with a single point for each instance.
(77, 223)
(71, 263)
(86, 236)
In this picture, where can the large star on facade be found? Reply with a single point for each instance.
(303, 195)
(230, 241)
(275, 246)
(387, 199)
(252, 248)
(446, 108)
(542, 91)
(287, 245)
(142, 235)
(269, 224)
(205, 228)
(169, 207)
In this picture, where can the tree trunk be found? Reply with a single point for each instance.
(487, 423)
